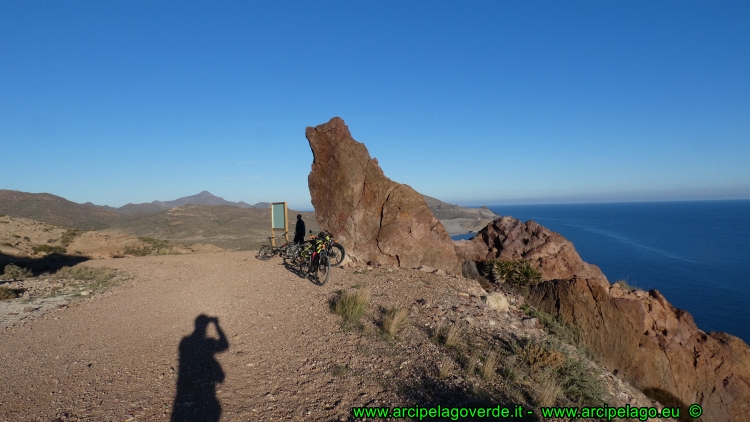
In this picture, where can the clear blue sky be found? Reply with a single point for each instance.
(472, 102)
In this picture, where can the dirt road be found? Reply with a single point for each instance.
(116, 357)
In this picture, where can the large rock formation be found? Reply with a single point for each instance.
(374, 217)
(509, 238)
(636, 334)
(657, 348)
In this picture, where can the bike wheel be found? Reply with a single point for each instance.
(265, 252)
(323, 270)
(303, 264)
(336, 254)
(291, 253)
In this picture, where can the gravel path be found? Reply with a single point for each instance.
(280, 353)
(116, 357)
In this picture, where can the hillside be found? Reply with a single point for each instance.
(225, 226)
(55, 210)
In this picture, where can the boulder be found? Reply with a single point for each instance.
(642, 338)
(496, 301)
(374, 217)
(509, 238)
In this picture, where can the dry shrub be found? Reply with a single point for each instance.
(488, 370)
(14, 272)
(80, 272)
(352, 304)
(540, 356)
(6, 293)
(394, 319)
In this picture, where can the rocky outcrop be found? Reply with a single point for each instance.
(509, 238)
(658, 348)
(374, 217)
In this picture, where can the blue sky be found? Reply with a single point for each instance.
(471, 102)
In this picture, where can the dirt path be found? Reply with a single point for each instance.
(116, 357)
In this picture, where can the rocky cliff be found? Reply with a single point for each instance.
(374, 217)
(636, 334)
(658, 348)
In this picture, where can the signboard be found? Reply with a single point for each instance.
(279, 220)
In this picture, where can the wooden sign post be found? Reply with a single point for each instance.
(279, 221)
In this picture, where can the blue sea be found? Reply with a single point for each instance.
(696, 253)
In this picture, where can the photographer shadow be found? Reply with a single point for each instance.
(199, 372)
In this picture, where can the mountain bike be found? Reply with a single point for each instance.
(287, 250)
(334, 250)
(313, 261)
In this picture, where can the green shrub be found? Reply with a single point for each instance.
(67, 238)
(351, 305)
(49, 249)
(14, 272)
(518, 273)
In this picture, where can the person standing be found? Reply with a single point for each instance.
(299, 230)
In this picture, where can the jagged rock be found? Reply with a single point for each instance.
(509, 238)
(374, 217)
(496, 301)
(658, 348)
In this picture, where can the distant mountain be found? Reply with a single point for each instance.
(55, 210)
(203, 198)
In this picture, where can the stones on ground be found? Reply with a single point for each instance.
(529, 322)
(496, 301)
(374, 217)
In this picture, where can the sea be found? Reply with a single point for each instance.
(697, 254)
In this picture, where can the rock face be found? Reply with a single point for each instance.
(658, 348)
(509, 238)
(374, 217)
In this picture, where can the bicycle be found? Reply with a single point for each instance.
(313, 260)
(287, 250)
(335, 250)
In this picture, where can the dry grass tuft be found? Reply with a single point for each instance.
(394, 320)
(471, 364)
(452, 336)
(548, 391)
(351, 305)
(488, 370)
(445, 367)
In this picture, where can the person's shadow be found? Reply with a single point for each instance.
(199, 373)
